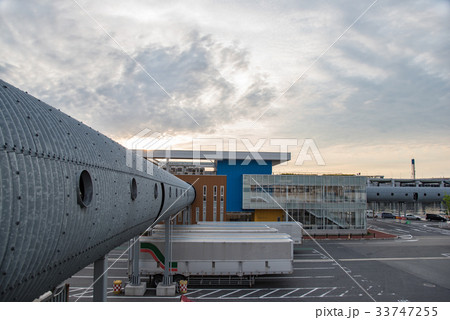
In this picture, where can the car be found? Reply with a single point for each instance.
(371, 214)
(410, 216)
(387, 215)
(435, 217)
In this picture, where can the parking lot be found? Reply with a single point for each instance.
(413, 267)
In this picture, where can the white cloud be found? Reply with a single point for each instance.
(385, 82)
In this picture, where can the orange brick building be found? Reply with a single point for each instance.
(210, 199)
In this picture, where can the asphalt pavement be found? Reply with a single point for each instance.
(413, 267)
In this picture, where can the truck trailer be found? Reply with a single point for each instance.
(217, 254)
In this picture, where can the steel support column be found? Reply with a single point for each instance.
(100, 279)
(135, 248)
(167, 279)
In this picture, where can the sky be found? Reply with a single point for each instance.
(367, 82)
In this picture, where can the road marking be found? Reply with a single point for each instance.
(290, 292)
(308, 292)
(230, 293)
(297, 277)
(314, 260)
(118, 260)
(247, 294)
(273, 291)
(192, 291)
(208, 294)
(319, 268)
(342, 294)
(396, 259)
(115, 296)
(108, 268)
(91, 277)
(323, 295)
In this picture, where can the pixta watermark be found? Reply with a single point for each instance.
(142, 145)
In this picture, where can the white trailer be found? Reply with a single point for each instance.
(220, 254)
(292, 228)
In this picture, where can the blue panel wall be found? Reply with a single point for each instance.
(234, 174)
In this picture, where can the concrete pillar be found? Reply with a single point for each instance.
(167, 287)
(135, 248)
(100, 279)
(167, 280)
(135, 287)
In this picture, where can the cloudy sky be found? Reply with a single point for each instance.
(368, 81)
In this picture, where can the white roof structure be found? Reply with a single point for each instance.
(275, 157)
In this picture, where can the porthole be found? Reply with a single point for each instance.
(85, 189)
(378, 194)
(424, 194)
(406, 194)
(155, 191)
(133, 189)
(392, 194)
(439, 194)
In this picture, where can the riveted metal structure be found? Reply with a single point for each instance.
(68, 195)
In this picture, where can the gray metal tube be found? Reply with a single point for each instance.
(69, 195)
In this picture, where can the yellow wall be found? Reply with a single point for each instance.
(269, 215)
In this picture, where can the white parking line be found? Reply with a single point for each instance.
(323, 295)
(118, 260)
(192, 291)
(208, 294)
(273, 291)
(343, 294)
(91, 277)
(230, 293)
(308, 292)
(298, 277)
(247, 294)
(397, 259)
(314, 260)
(320, 268)
(284, 295)
(91, 268)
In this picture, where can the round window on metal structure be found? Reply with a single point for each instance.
(133, 189)
(155, 191)
(85, 190)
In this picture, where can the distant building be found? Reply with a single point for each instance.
(407, 195)
(318, 202)
(240, 186)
